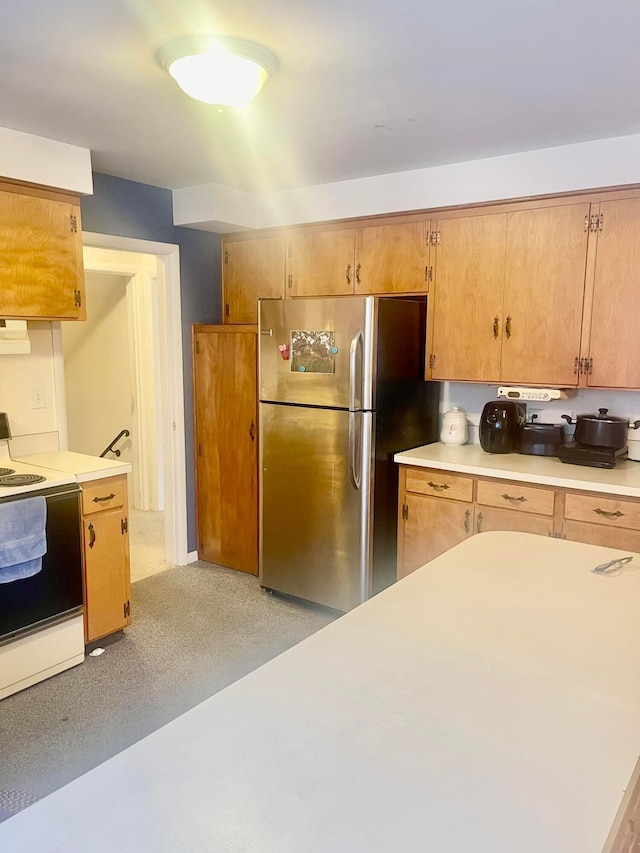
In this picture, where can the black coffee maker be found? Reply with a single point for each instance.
(500, 425)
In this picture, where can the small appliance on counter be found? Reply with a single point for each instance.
(500, 425)
(455, 427)
(540, 439)
(599, 440)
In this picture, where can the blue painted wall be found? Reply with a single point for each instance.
(129, 209)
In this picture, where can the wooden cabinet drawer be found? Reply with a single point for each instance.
(515, 496)
(99, 495)
(596, 509)
(443, 484)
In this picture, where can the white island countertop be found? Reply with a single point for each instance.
(83, 466)
(489, 701)
(624, 479)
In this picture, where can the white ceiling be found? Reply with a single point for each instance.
(363, 88)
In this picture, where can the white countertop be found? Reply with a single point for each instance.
(486, 702)
(83, 466)
(624, 479)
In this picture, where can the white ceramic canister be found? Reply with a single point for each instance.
(455, 427)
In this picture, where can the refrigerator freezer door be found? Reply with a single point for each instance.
(318, 352)
(316, 472)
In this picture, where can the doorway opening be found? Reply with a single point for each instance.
(122, 371)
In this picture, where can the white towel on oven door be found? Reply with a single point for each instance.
(23, 538)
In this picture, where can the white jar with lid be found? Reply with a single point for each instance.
(455, 427)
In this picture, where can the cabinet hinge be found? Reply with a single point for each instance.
(405, 512)
(290, 250)
(434, 238)
(199, 450)
(126, 608)
(289, 281)
(73, 223)
(226, 309)
(432, 361)
(226, 256)
(584, 366)
(197, 346)
(428, 273)
(124, 526)
(596, 221)
(77, 298)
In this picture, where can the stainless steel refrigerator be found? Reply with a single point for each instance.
(341, 389)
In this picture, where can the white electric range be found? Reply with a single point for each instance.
(41, 617)
(19, 478)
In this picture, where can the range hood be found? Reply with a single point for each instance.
(14, 338)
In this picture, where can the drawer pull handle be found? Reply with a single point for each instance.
(467, 516)
(439, 487)
(106, 498)
(479, 523)
(507, 497)
(92, 536)
(616, 514)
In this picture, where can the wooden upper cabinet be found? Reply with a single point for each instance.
(613, 352)
(544, 294)
(251, 269)
(321, 263)
(469, 274)
(509, 296)
(41, 271)
(392, 258)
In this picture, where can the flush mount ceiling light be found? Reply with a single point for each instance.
(226, 71)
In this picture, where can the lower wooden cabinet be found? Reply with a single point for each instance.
(438, 509)
(107, 580)
(602, 520)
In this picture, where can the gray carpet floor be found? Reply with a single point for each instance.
(195, 630)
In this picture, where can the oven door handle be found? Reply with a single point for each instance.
(92, 536)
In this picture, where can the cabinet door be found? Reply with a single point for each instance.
(614, 356)
(392, 259)
(251, 269)
(321, 263)
(600, 534)
(430, 527)
(106, 550)
(469, 276)
(225, 437)
(41, 271)
(544, 294)
(490, 518)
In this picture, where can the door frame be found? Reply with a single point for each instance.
(171, 369)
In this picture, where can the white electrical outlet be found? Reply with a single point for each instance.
(38, 397)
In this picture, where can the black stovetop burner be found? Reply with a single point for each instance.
(596, 457)
(5, 471)
(20, 479)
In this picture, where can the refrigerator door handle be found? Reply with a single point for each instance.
(355, 375)
(355, 461)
